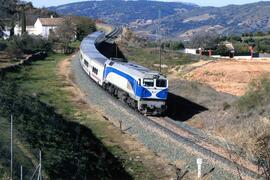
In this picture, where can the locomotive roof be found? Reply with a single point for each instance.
(138, 70)
(88, 47)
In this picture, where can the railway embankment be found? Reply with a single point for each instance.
(74, 138)
(151, 135)
(201, 106)
(69, 149)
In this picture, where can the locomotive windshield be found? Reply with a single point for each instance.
(148, 82)
(161, 83)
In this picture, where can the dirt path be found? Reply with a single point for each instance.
(229, 76)
(158, 167)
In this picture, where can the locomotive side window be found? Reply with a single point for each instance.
(95, 70)
(148, 82)
(161, 83)
(85, 63)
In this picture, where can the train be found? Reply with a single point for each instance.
(141, 88)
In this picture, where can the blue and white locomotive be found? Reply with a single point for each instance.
(139, 87)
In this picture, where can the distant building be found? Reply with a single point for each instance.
(189, 51)
(5, 33)
(42, 27)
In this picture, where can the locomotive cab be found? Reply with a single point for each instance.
(154, 94)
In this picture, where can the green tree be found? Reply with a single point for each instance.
(259, 34)
(2, 26)
(23, 23)
(241, 48)
(177, 45)
(222, 50)
(65, 34)
(206, 40)
(13, 50)
(234, 38)
(21, 8)
(83, 26)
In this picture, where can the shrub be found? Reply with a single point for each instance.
(258, 96)
(84, 26)
(3, 45)
(31, 44)
(28, 44)
(263, 45)
(13, 50)
(69, 150)
(241, 49)
(222, 50)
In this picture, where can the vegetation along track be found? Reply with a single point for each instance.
(199, 144)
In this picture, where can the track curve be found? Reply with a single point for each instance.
(183, 135)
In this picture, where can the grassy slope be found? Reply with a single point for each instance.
(257, 37)
(22, 155)
(149, 57)
(41, 79)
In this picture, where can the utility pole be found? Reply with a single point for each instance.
(116, 50)
(21, 173)
(40, 166)
(11, 147)
(159, 15)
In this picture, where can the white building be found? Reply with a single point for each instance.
(6, 33)
(189, 51)
(42, 27)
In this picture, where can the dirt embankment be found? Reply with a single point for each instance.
(229, 76)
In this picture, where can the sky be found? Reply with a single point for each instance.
(217, 3)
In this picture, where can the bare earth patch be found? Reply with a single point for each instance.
(229, 76)
(158, 167)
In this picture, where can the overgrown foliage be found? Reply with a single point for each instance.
(26, 44)
(70, 150)
(250, 124)
(3, 45)
(206, 40)
(258, 96)
(73, 28)
(12, 11)
(83, 26)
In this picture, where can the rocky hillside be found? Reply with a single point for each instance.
(177, 19)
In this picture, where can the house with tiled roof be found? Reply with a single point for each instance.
(42, 26)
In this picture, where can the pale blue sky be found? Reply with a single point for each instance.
(46, 3)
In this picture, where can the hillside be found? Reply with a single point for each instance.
(11, 11)
(122, 12)
(177, 19)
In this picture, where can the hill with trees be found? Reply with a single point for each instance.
(177, 19)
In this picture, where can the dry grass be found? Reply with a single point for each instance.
(249, 126)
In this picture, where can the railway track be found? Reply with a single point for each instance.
(195, 142)
(110, 37)
(204, 147)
